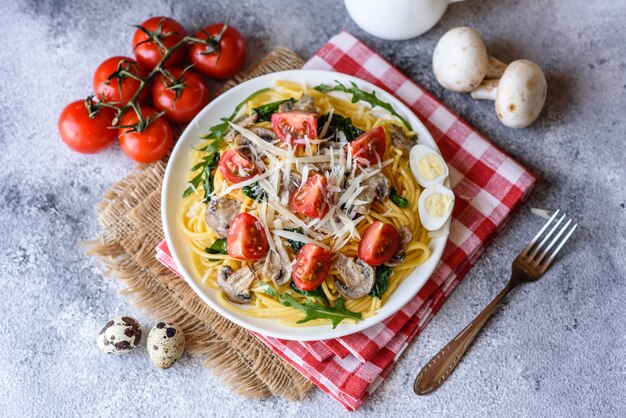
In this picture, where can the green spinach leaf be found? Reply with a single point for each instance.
(383, 274)
(218, 247)
(265, 112)
(358, 94)
(338, 123)
(397, 199)
(296, 245)
(253, 191)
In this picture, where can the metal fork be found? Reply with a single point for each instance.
(529, 266)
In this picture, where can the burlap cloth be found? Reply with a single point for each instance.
(130, 216)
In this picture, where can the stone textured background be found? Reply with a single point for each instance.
(555, 348)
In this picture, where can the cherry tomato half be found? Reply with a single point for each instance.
(310, 198)
(232, 56)
(312, 267)
(149, 145)
(191, 100)
(369, 147)
(84, 134)
(246, 239)
(295, 125)
(379, 243)
(110, 89)
(148, 52)
(235, 167)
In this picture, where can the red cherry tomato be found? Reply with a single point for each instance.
(369, 147)
(312, 266)
(310, 198)
(232, 47)
(84, 134)
(191, 100)
(235, 167)
(246, 239)
(295, 125)
(149, 145)
(148, 53)
(379, 243)
(110, 89)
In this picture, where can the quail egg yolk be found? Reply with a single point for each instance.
(437, 204)
(430, 167)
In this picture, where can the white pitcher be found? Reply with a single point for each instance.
(397, 19)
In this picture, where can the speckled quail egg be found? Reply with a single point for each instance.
(427, 166)
(166, 343)
(120, 335)
(435, 206)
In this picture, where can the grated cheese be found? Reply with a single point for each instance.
(294, 236)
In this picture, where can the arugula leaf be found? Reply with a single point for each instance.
(358, 94)
(338, 123)
(315, 293)
(265, 111)
(313, 311)
(218, 131)
(218, 247)
(296, 245)
(383, 274)
(269, 289)
(397, 199)
(253, 191)
(205, 176)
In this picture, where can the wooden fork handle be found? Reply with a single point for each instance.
(437, 370)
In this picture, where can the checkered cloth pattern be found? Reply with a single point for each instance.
(488, 186)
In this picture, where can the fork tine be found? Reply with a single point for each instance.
(552, 243)
(541, 231)
(545, 265)
(547, 237)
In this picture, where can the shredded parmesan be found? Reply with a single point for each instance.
(294, 236)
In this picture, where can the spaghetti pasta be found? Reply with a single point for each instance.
(271, 211)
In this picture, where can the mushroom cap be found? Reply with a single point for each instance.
(521, 94)
(460, 60)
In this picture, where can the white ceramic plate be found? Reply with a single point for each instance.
(175, 182)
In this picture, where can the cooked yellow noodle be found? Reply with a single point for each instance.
(200, 237)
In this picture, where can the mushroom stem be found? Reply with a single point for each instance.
(487, 90)
(495, 68)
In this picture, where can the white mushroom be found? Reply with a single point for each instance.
(519, 94)
(357, 278)
(460, 60)
(236, 285)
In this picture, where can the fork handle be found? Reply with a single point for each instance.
(437, 370)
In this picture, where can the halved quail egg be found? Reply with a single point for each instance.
(427, 165)
(435, 206)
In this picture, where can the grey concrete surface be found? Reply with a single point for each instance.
(555, 348)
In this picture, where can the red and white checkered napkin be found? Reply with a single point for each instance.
(488, 186)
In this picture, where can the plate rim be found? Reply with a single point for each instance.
(317, 332)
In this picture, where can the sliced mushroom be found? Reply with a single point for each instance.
(275, 265)
(400, 140)
(357, 278)
(375, 187)
(220, 213)
(460, 60)
(244, 122)
(236, 285)
(405, 239)
(306, 103)
(519, 94)
(285, 106)
(265, 134)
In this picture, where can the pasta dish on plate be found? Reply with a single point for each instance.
(305, 204)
